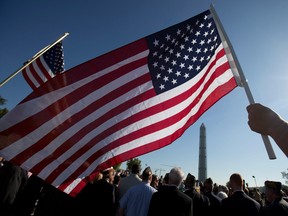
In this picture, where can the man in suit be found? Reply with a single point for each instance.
(169, 200)
(276, 205)
(239, 203)
(98, 196)
(215, 201)
(201, 203)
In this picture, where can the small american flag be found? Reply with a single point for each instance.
(45, 67)
(128, 102)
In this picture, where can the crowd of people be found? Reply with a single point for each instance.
(124, 193)
(119, 193)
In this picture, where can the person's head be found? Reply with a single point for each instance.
(215, 188)
(176, 176)
(190, 181)
(147, 174)
(166, 179)
(117, 179)
(135, 169)
(222, 195)
(155, 181)
(224, 189)
(97, 177)
(208, 185)
(236, 182)
(108, 174)
(273, 190)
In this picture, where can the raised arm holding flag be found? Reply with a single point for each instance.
(264, 120)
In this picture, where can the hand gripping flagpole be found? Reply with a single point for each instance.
(37, 55)
(235, 66)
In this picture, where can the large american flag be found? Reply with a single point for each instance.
(45, 67)
(123, 104)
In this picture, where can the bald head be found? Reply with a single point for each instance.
(236, 181)
(176, 176)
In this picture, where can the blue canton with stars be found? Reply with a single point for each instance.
(180, 52)
(54, 58)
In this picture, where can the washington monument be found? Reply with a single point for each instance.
(202, 165)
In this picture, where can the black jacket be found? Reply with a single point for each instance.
(169, 200)
(240, 203)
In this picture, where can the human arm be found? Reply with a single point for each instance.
(264, 120)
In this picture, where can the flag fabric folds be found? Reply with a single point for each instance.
(128, 102)
(45, 67)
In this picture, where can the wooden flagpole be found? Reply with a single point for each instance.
(37, 55)
(230, 51)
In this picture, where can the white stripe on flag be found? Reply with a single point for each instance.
(47, 68)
